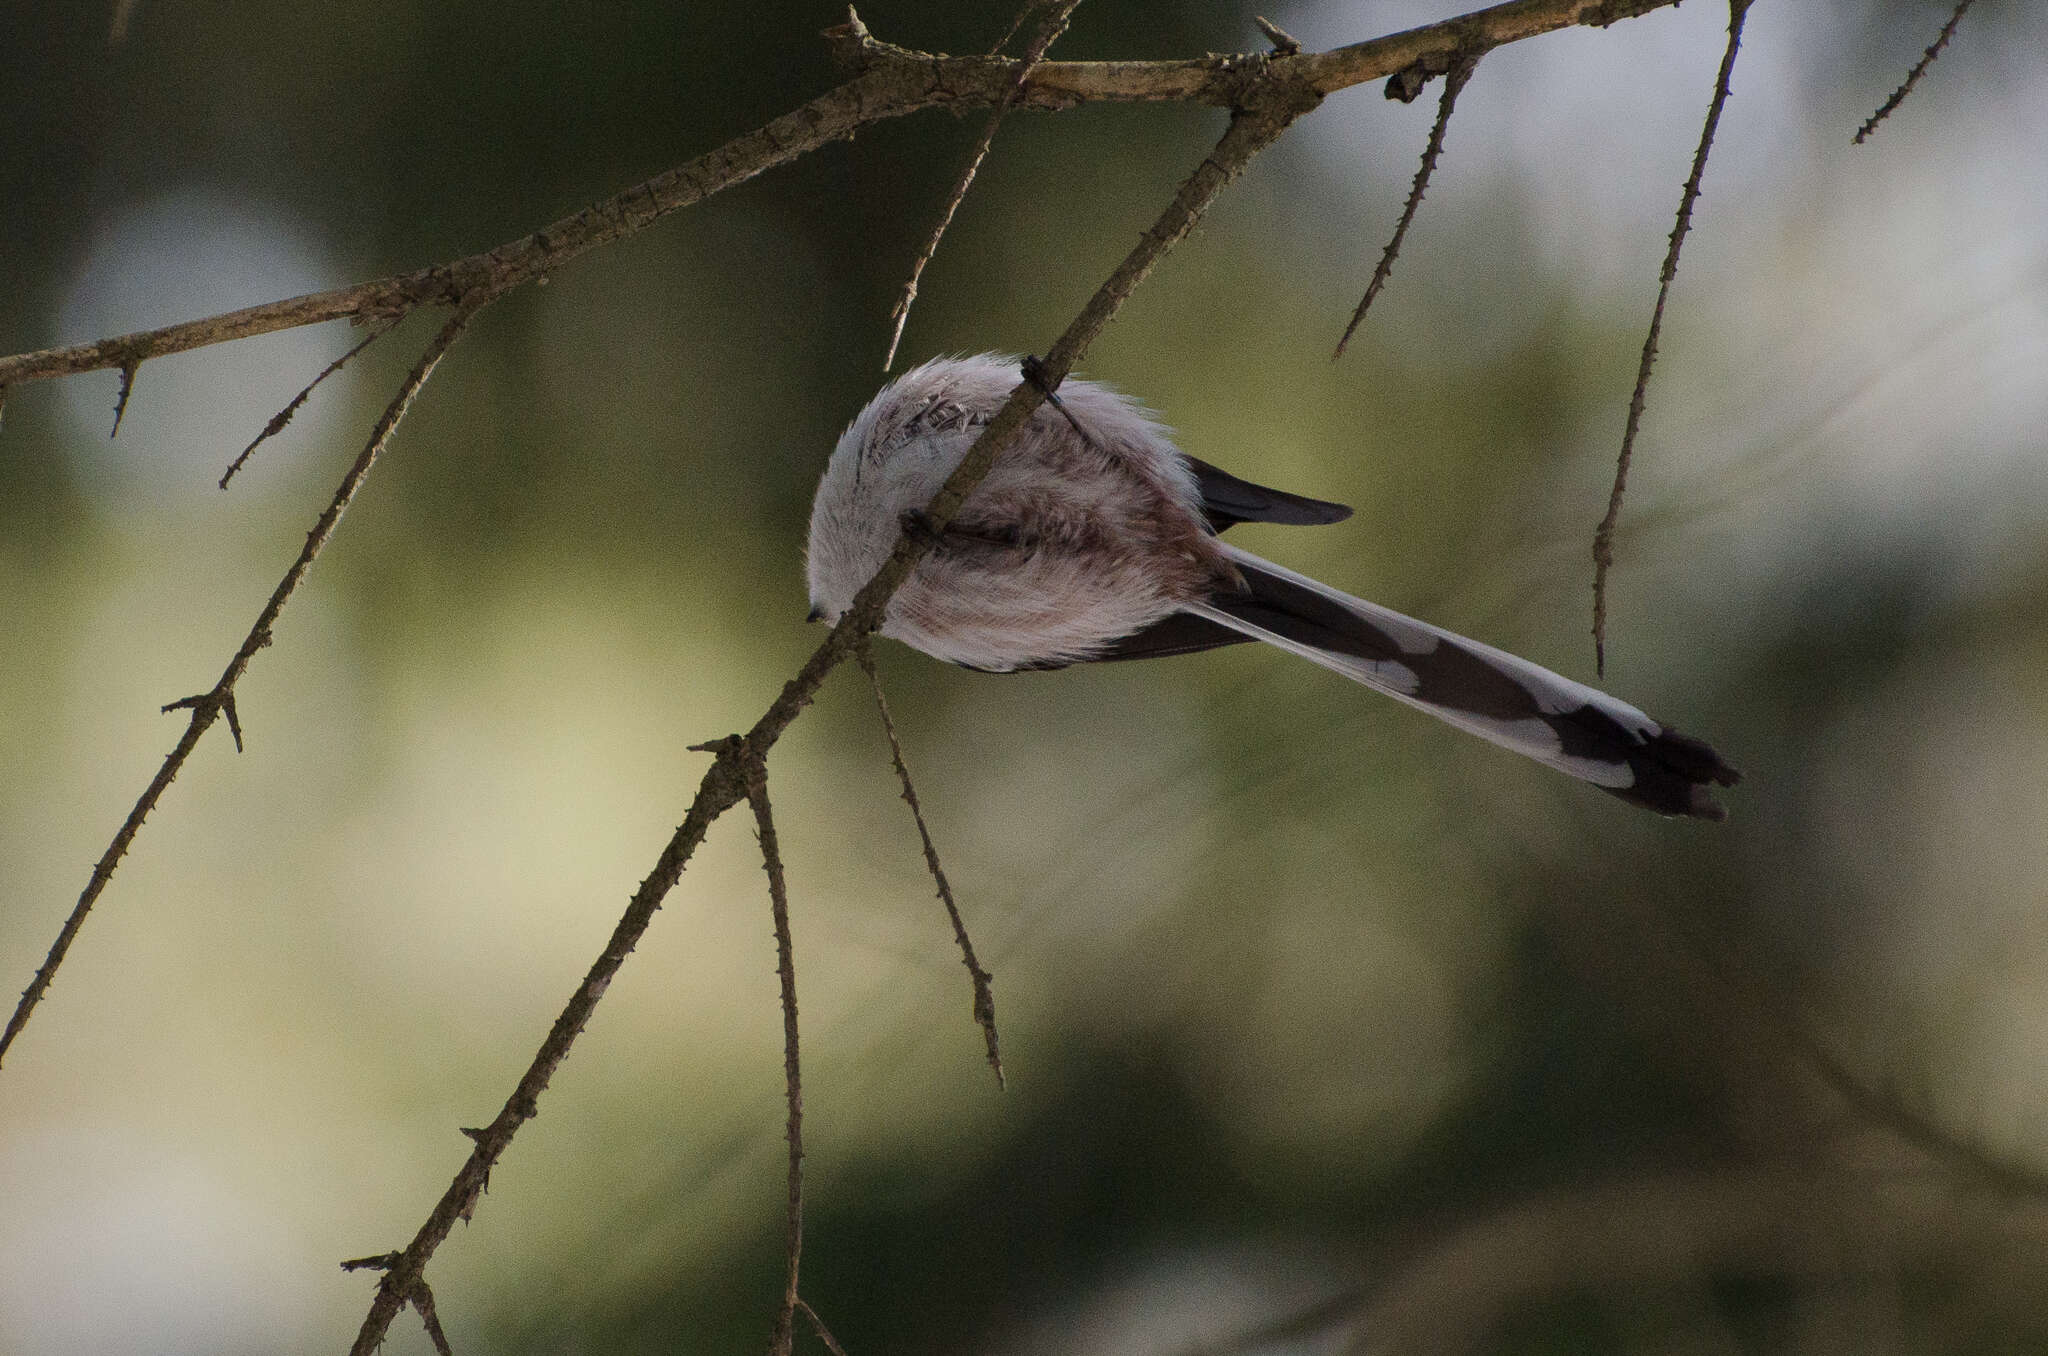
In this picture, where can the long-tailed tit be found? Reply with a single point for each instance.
(1095, 538)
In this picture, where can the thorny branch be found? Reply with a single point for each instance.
(421, 1298)
(1603, 535)
(723, 786)
(423, 1304)
(283, 417)
(1948, 30)
(1454, 81)
(220, 699)
(792, 1068)
(984, 998)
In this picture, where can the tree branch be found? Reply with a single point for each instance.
(220, 699)
(891, 82)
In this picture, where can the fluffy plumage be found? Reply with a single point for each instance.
(1105, 546)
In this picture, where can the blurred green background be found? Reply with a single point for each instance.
(1306, 1000)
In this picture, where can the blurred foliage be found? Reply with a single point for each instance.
(1300, 993)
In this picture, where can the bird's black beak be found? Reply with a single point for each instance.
(815, 614)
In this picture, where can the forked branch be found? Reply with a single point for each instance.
(725, 784)
(220, 699)
(283, 417)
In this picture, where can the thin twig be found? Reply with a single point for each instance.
(1603, 535)
(1058, 13)
(792, 1069)
(1284, 42)
(1454, 80)
(128, 370)
(1016, 23)
(724, 785)
(1948, 30)
(984, 999)
(818, 1327)
(423, 1302)
(284, 416)
(214, 703)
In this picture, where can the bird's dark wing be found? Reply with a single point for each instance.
(1227, 501)
(1181, 633)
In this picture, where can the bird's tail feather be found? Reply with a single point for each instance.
(1508, 701)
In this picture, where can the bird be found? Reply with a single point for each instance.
(1094, 538)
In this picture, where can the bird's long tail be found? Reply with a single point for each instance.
(1508, 701)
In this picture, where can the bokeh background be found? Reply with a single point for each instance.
(1323, 1022)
